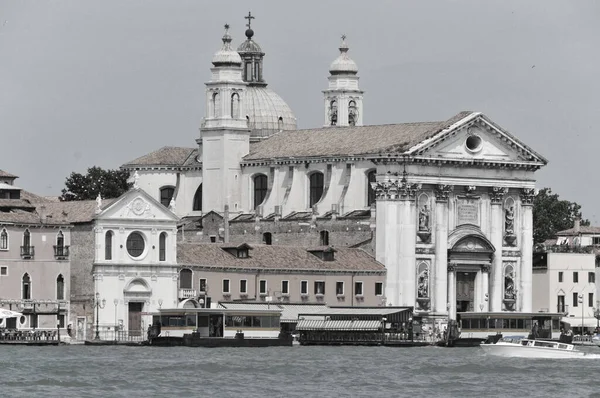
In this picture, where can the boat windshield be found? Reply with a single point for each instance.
(511, 339)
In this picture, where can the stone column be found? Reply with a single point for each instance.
(407, 220)
(440, 271)
(496, 198)
(527, 195)
(451, 290)
(485, 270)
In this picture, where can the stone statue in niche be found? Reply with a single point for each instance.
(509, 286)
(424, 219)
(423, 284)
(509, 220)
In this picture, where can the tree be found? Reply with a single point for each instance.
(551, 215)
(107, 183)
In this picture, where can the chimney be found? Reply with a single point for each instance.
(577, 225)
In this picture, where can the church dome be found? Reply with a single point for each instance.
(266, 112)
(343, 63)
(227, 56)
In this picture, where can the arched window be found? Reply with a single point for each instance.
(371, 178)
(280, 124)
(26, 288)
(60, 244)
(352, 113)
(216, 106)
(316, 188)
(108, 245)
(166, 194)
(324, 238)
(267, 238)
(60, 288)
(235, 106)
(4, 239)
(333, 113)
(162, 247)
(198, 199)
(185, 279)
(260, 189)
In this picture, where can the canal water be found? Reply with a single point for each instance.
(83, 371)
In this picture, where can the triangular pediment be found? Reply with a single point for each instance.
(476, 138)
(136, 204)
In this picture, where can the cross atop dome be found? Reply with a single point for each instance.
(249, 31)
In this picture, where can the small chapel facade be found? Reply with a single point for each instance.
(446, 206)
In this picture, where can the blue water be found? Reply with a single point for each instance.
(84, 371)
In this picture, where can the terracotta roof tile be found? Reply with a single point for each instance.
(275, 257)
(341, 141)
(77, 211)
(166, 156)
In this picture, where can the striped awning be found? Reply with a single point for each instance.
(353, 325)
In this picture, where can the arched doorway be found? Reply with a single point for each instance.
(469, 262)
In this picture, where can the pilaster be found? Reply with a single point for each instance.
(527, 196)
(451, 305)
(496, 198)
(440, 272)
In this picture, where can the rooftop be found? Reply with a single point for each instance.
(275, 257)
(166, 156)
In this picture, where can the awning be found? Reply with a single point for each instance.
(347, 325)
(576, 322)
(9, 314)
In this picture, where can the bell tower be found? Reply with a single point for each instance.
(343, 98)
(224, 135)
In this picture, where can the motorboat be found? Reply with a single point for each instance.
(519, 347)
(596, 339)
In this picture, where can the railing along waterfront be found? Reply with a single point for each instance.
(28, 335)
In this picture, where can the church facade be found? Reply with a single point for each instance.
(446, 206)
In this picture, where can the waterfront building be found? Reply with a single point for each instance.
(446, 206)
(565, 270)
(139, 268)
(34, 261)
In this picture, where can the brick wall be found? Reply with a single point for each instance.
(82, 282)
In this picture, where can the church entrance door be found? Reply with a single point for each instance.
(135, 319)
(465, 291)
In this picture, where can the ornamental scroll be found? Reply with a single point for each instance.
(392, 188)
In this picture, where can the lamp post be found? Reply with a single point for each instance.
(580, 301)
(116, 302)
(597, 315)
(383, 321)
(98, 306)
(160, 303)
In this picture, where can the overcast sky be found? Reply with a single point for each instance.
(100, 83)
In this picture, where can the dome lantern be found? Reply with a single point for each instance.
(227, 56)
(343, 64)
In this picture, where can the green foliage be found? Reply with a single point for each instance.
(551, 215)
(107, 183)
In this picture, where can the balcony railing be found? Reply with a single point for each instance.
(61, 252)
(187, 293)
(27, 252)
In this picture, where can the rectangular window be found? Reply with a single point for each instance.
(225, 285)
(561, 303)
(379, 288)
(575, 277)
(61, 321)
(262, 286)
(596, 240)
(303, 287)
(33, 321)
(202, 285)
(358, 288)
(3, 271)
(590, 299)
(320, 287)
(243, 286)
(339, 288)
(591, 277)
(285, 287)
(560, 276)
(575, 298)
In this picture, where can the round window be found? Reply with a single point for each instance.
(135, 244)
(473, 143)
